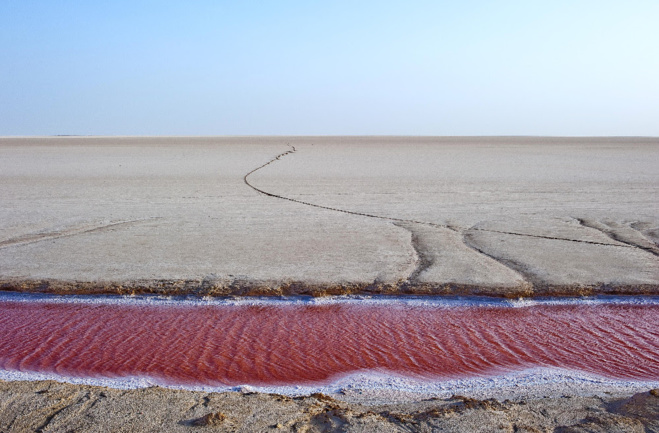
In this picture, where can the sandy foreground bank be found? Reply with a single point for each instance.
(51, 407)
(330, 215)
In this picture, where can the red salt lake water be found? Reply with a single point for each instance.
(283, 344)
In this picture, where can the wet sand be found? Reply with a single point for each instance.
(50, 407)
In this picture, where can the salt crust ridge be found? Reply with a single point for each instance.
(373, 300)
(535, 382)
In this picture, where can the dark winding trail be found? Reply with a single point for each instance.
(464, 231)
(394, 219)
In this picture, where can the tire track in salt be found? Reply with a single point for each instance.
(405, 220)
(422, 262)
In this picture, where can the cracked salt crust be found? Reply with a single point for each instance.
(500, 216)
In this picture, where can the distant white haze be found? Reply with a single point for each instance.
(561, 67)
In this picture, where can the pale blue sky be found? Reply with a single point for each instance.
(335, 67)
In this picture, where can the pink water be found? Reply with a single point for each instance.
(312, 344)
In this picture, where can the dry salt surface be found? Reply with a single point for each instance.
(328, 215)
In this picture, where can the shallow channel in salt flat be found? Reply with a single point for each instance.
(300, 345)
